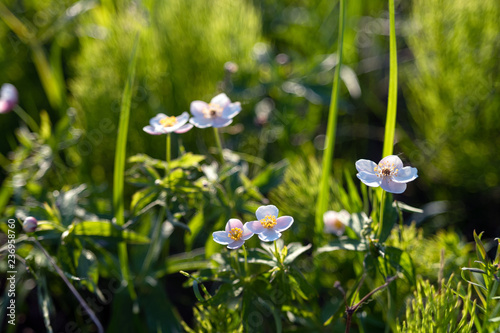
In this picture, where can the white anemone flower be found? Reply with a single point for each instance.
(235, 234)
(335, 222)
(269, 225)
(218, 113)
(163, 124)
(389, 174)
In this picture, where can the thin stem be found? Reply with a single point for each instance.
(168, 157)
(381, 215)
(219, 146)
(246, 261)
(70, 286)
(26, 118)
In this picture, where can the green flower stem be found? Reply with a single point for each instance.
(169, 145)
(26, 118)
(246, 261)
(219, 146)
(324, 193)
(70, 286)
(381, 215)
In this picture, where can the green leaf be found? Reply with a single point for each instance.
(390, 218)
(195, 226)
(295, 250)
(107, 230)
(401, 261)
(271, 176)
(480, 250)
(45, 302)
(344, 244)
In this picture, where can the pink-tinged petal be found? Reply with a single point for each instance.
(151, 130)
(184, 128)
(221, 122)
(156, 119)
(283, 223)
(221, 99)
(5, 106)
(233, 223)
(247, 233)
(197, 108)
(366, 166)
(222, 237)
(255, 227)
(392, 159)
(183, 118)
(269, 235)
(235, 244)
(369, 179)
(262, 211)
(231, 110)
(405, 175)
(8, 97)
(389, 186)
(201, 122)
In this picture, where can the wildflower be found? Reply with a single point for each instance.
(235, 234)
(218, 113)
(335, 222)
(8, 98)
(269, 225)
(163, 124)
(30, 224)
(389, 174)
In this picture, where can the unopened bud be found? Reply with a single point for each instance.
(8, 98)
(30, 224)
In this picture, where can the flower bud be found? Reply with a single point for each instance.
(8, 98)
(30, 224)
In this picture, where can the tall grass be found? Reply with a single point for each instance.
(119, 170)
(324, 193)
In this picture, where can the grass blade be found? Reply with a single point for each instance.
(324, 192)
(119, 170)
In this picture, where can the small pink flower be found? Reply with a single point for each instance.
(235, 234)
(8, 98)
(163, 124)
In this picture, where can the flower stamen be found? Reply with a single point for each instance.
(268, 222)
(235, 234)
(168, 121)
(212, 111)
(385, 170)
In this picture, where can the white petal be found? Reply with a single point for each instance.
(255, 227)
(283, 223)
(233, 223)
(369, 179)
(392, 187)
(365, 165)
(236, 244)
(183, 118)
(197, 107)
(201, 122)
(151, 130)
(392, 159)
(184, 128)
(222, 100)
(231, 110)
(221, 237)
(156, 119)
(247, 233)
(221, 122)
(269, 235)
(262, 211)
(405, 175)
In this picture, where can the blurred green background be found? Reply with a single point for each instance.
(69, 61)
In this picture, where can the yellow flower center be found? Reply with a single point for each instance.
(268, 222)
(337, 224)
(385, 169)
(168, 121)
(212, 111)
(235, 233)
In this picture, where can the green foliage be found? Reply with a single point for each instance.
(439, 311)
(453, 92)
